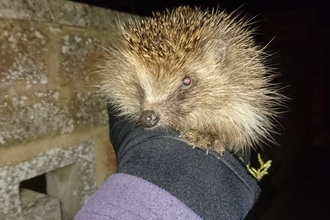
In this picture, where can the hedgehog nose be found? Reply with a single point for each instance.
(149, 118)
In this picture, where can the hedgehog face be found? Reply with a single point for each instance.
(166, 95)
(172, 95)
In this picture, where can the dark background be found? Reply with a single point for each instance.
(299, 180)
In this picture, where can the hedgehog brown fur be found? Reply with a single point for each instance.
(198, 72)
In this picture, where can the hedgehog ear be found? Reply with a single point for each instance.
(216, 48)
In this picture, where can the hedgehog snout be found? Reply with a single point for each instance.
(149, 118)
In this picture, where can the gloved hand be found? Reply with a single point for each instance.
(214, 187)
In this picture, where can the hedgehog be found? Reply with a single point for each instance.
(197, 71)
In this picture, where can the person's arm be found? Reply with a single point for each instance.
(212, 188)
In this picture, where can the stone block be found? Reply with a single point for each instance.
(62, 12)
(59, 185)
(79, 52)
(24, 46)
(46, 84)
(39, 206)
(31, 116)
(89, 110)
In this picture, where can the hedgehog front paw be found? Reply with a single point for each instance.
(206, 141)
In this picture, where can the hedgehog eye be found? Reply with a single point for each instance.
(186, 82)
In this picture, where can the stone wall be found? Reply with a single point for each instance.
(51, 121)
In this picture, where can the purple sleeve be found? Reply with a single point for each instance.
(127, 197)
